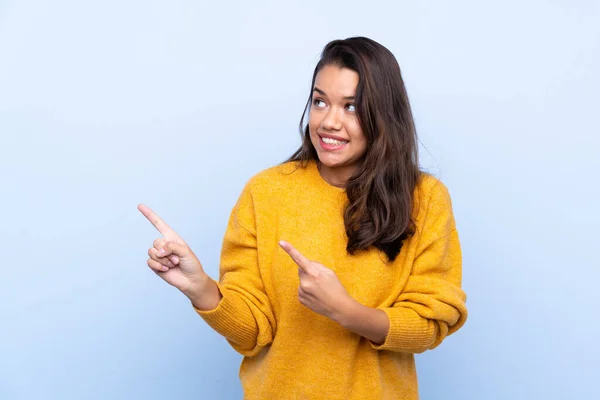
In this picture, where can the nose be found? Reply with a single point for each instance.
(333, 120)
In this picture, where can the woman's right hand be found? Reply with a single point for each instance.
(173, 260)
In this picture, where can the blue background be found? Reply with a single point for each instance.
(106, 104)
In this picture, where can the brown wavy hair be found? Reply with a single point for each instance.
(380, 193)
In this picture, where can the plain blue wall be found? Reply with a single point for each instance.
(107, 104)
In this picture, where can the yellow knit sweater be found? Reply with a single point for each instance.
(292, 352)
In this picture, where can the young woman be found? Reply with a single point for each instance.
(341, 263)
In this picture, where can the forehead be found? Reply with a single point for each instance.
(336, 81)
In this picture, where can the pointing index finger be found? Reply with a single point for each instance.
(158, 223)
(298, 258)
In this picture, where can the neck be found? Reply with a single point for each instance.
(336, 176)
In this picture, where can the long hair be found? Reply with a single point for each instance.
(380, 193)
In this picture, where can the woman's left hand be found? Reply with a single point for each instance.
(319, 289)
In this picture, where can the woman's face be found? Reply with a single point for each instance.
(333, 124)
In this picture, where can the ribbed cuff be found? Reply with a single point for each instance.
(232, 318)
(409, 332)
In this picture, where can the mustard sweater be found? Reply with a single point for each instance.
(292, 352)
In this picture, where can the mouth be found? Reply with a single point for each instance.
(330, 142)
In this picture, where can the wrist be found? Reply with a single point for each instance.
(203, 292)
(346, 312)
(371, 323)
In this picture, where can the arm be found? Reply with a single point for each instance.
(432, 304)
(205, 296)
(371, 323)
(243, 314)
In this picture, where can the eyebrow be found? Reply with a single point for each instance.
(322, 93)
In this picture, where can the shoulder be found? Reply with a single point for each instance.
(275, 180)
(433, 205)
(431, 192)
(278, 174)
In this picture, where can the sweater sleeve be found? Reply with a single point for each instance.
(432, 304)
(244, 315)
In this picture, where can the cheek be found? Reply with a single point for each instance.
(313, 123)
(313, 127)
(357, 134)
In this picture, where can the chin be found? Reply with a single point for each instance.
(330, 161)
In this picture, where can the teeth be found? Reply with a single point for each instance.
(333, 141)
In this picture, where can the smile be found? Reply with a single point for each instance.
(329, 143)
(333, 141)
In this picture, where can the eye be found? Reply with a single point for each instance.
(351, 107)
(318, 103)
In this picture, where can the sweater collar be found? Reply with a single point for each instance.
(321, 185)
